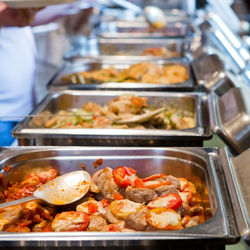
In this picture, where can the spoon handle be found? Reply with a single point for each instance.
(15, 202)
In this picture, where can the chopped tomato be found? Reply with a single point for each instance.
(116, 227)
(92, 208)
(155, 181)
(153, 177)
(136, 101)
(105, 202)
(118, 196)
(171, 200)
(139, 183)
(124, 176)
(113, 228)
(156, 184)
(164, 218)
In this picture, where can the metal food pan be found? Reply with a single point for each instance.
(133, 29)
(95, 63)
(135, 47)
(202, 166)
(114, 14)
(70, 100)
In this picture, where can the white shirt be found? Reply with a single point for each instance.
(17, 71)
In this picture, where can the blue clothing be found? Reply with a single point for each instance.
(5, 131)
(17, 71)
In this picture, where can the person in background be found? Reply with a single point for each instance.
(18, 61)
(17, 68)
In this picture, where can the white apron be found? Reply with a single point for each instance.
(17, 72)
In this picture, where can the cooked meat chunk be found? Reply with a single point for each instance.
(141, 195)
(94, 108)
(96, 223)
(137, 221)
(166, 189)
(105, 182)
(196, 210)
(174, 181)
(127, 105)
(118, 210)
(110, 217)
(182, 210)
(150, 228)
(42, 226)
(70, 221)
(18, 228)
(9, 215)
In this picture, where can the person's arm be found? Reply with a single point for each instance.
(16, 17)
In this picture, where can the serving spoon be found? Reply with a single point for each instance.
(62, 190)
(140, 118)
(155, 16)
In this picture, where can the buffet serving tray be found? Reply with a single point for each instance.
(70, 100)
(114, 14)
(202, 166)
(133, 29)
(134, 47)
(120, 62)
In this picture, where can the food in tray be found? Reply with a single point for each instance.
(144, 72)
(162, 51)
(118, 201)
(154, 51)
(122, 108)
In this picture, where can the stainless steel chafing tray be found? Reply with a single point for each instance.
(95, 63)
(174, 15)
(210, 74)
(195, 103)
(135, 47)
(231, 118)
(205, 167)
(133, 29)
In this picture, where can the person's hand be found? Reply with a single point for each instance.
(16, 17)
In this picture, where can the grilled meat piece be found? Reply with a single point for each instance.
(196, 210)
(96, 223)
(166, 189)
(105, 182)
(141, 195)
(137, 221)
